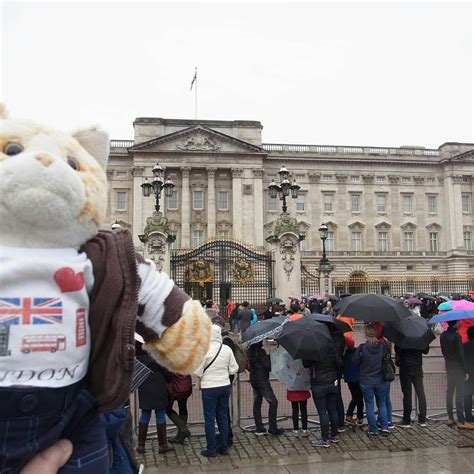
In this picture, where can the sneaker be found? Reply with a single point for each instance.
(341, 429)
(296, 433)
(391, 426)
(321, 443)
(422, 423)
(404, 424)
(224, 452)
(385, 432)
(372, 434)
(208, 454)
(335, 439)
(304, 433)
(465, 426)
(261, 432)
(277, 432)
(360, 421)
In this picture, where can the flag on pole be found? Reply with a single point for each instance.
(194, 78)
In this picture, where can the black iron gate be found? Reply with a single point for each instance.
(221, 269)
(310, 284)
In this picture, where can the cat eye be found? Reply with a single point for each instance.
(72, 162)
(11, 149)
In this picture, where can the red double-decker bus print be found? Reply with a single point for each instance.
(43, 343)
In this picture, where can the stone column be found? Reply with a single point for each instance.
(156, 239)
(185, 210)
(258, 206)
(285, 236)
(137, 224)
(237, 202)
(211, 202)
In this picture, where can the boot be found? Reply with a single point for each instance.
(142, 433)
(181, 424)
(162, 442)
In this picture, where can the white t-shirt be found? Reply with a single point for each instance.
(44, 308)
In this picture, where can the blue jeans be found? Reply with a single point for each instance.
(325, 397)
(379, 391)
(32, 419)
(160, 416)
(388, 405)
(215, 403)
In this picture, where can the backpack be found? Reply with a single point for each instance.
(180, 387)
(241, 357)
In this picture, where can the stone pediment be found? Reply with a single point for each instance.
(197, 139)
(382, 225)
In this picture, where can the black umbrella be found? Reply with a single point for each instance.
(326, 318)
(274, 300)
(372, 307)
(304, 338)
(409, 333)
(262, 330)
(425, 296)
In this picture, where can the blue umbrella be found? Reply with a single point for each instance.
(454, 315)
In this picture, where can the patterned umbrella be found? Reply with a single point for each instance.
(289, 371)
(263, 330)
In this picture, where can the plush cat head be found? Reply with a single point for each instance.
(53, 186)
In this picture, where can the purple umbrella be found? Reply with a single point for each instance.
(412, 300)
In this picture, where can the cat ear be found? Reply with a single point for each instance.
(96, 142)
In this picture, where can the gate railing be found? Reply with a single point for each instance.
(398, 285)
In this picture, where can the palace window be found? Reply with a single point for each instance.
(466, 203)
(380, 179)
(198, 237)
(330, 242)
(433, 241)
(328, 202)
(356, 241)
(355, 179)
(223, 201)
(198, 200)
(355, 202)
(383, 241)
(467, 240)
(432, 203)
(172, 201)
(121, 200)
(381, 200)
(300, 202)
(271, 203)
(408, 241)
(407, 203)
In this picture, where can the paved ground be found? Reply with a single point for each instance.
(435, 449)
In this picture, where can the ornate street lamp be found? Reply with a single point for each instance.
(284, 188)
(324, 266)
(157, 185)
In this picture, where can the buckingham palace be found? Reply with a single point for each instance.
(390, 212)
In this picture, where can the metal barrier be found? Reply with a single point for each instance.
(241, 403)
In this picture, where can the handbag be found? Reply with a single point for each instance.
(388, 368)
(207, 366)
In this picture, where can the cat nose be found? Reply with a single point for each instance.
(45, 160)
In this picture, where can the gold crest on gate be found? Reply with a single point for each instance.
(200, 272)
(242, 271)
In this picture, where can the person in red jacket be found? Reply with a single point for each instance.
(299, 404)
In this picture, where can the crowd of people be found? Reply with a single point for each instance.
(362, 368)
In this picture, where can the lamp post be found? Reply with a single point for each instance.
(157, 185)
(324, 266)
(284, 188)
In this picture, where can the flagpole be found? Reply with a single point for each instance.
(196, 97)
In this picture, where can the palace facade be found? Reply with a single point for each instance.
(390, 211)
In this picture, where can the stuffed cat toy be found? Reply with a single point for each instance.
(71, 298)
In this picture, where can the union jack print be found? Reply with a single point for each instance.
(31, 311)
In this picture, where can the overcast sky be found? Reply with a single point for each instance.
(372, 73)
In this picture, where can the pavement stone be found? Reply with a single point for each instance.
(436, 448)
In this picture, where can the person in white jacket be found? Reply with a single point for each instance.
(215, 391)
